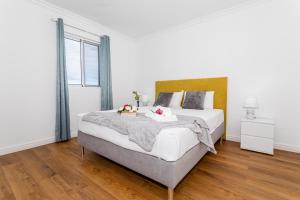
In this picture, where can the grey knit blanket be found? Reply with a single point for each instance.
(143, 130)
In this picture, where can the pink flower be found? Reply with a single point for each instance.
(159, 111)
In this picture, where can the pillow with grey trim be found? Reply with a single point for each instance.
(194, 100)
(163, 99)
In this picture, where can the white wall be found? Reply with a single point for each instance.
(28, 72)
(257, 46)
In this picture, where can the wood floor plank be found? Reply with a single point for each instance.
(73, 176)
(56, 171)
(103, 178)
(5, 189)
(46, 177)
(22, 183)
(8, 159)
(127, 177)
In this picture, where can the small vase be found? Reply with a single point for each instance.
(138, 103)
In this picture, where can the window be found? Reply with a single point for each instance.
(91, 69)
(73, 62)
(82, 62)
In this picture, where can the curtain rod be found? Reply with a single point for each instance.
(75, 36)
(94, 34)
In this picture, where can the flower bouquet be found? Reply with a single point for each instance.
(128, 110)
(136, 97)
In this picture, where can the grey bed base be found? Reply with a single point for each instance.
(164, 172)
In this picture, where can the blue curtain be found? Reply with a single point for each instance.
(62, 125)
(105, 74)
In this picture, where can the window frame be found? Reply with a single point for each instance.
(76, 40)
(83, 63)
(82, 41)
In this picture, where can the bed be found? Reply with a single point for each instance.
(175, 152)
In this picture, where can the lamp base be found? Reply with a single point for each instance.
(250, 114)
(145, 104)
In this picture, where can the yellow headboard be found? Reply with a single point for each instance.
(218, 85)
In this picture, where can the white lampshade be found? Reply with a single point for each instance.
(145, 98)
(251, 103)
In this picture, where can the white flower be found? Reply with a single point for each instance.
(127, 108)
(121, 108)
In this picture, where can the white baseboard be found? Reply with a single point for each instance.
(36, 143)
(233, 138)
(74, 134)
(30, 145)
(285, 147)
(279, 146)
(27, 145)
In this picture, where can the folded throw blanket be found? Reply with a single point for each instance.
(161, 114)
(143, 130)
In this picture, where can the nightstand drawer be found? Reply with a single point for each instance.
(257, 129)
(263, 145)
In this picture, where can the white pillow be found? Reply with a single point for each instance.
(176, 100)
(209, 100)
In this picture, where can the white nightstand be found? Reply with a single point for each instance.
(258, 135)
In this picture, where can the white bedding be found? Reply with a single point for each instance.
(170, 144)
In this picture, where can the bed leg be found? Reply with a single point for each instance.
(82, 152)
(170, 193)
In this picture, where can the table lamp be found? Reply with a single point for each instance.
(250, 106)
(145, 100)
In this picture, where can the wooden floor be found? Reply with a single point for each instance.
(56, 171)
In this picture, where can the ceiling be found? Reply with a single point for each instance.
(137, 18)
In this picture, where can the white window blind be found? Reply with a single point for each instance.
(82, 62)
